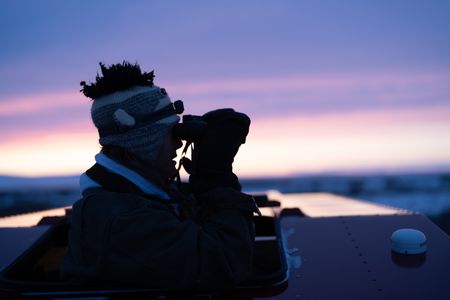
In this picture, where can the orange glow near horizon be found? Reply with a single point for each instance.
(53, 154)
(275, 146)
(369, 140)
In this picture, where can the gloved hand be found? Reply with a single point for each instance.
(214, 152)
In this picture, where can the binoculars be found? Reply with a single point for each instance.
(191, 129)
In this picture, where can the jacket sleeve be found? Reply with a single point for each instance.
(151, 245)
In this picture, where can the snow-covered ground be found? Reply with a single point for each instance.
(24, 194)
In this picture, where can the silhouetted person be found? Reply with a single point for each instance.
(133, 224)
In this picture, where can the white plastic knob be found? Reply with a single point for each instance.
(408, 241)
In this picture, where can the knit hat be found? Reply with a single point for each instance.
(136, 119)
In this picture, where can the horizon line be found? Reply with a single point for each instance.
(408, 170)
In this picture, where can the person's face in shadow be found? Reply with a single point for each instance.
(165, 163)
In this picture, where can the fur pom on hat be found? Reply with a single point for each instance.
(136, 119)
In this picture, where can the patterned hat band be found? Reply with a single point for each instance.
(124, 121)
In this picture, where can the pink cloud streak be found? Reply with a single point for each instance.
(23, 105)
(338, 81)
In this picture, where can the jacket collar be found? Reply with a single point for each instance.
(111, 166)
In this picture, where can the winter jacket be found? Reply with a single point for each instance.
(121, 234)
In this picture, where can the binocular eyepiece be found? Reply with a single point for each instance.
(191, 129)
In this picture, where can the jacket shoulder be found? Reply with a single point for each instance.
(100, 201)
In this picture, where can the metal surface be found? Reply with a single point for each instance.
(342, 248)
(350, 258)
(30, 219)
(329, 205)
(14, 241)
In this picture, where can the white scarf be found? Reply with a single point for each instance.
(146, 186)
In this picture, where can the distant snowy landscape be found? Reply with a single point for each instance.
(425, 193)
(23, 194)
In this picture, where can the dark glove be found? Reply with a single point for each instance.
(214, 152)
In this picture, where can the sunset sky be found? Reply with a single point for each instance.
(331, 86)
